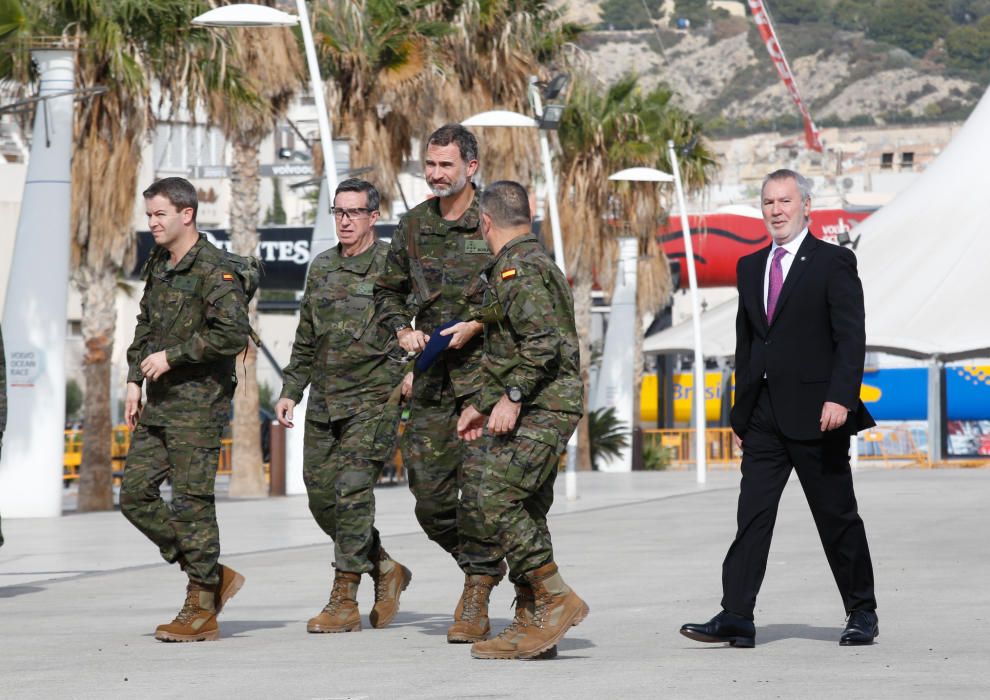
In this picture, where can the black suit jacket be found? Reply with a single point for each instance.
(815, 348)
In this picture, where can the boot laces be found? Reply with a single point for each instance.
(189, 609)
(337, 595)
(474, 595)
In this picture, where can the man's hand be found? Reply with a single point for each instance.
(412, 340)
(283, 411)
(406, 387)
(833, 416)
(736, 440)
(155, 365)
(132, 405)
(462, 333)
(504, 416)
(471, 424)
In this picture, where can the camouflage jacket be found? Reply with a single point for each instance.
(196, 312)
(437, 262)
(3, 387)
(350, 360)
(532, 343)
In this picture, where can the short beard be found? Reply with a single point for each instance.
(454, 189)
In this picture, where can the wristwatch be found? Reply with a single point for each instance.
(514, 394)
(400, 325)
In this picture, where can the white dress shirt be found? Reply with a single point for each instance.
(785, 263)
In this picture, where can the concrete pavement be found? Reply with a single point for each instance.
(80, 597)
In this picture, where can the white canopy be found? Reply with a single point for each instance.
(924, 260)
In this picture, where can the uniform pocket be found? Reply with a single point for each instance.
(194, 456)
(532, 462)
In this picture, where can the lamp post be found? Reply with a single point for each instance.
(547, 120)
(653, 175)
(254, 16)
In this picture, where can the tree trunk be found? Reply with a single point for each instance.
(582, 321)
(247, 479)
(99, 319)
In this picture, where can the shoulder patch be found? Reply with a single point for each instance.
(509, 273)
(228, 277)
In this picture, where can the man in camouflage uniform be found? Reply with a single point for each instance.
(3, 401)
(436, 255)
(530, 403)
(351, 364)
(193, 322)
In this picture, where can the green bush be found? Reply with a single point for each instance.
(655, 458)
(73, 399)
(607, 435)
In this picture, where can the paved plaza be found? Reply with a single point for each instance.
(80, 597)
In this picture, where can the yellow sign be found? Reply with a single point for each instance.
(683, 397)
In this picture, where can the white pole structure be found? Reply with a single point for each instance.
(324, 229)
(654, 175)
(502, 117)
(701, 440)
(35, 313)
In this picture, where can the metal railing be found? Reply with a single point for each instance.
(120, 443)
(886, 446)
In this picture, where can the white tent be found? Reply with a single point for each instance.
(718, 334)
(924, 260)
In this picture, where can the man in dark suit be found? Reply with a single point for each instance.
(800, 348)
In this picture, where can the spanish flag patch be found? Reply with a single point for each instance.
(509, 274)
(227, 277)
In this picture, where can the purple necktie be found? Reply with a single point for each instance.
(776, 282)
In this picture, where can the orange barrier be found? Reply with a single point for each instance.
(120, 444)
(886, 446)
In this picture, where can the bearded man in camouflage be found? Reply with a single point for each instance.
(518, 425)
(351, 364)
(192, 324)
(436, 256)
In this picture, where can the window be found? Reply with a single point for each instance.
(907, 160)
(886, 161)
(180, 146)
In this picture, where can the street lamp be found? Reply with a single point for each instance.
(653, 175)
(253, 16)
(545, 121)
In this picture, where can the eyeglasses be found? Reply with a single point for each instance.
(352, 214)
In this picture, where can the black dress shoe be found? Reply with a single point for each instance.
(724, 627)
(861, 628)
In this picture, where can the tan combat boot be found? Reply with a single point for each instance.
(504, 646)
(196, 621)
(503, 569)
(473, 624)
(230, 583)
(341, 612)
(391, 578)
(558, 608)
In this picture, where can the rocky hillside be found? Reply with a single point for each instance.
(723, 73)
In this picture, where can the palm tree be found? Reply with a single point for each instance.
(124, 47)
(270, 65)
(381, 57)
(402, 67)
(604, 130)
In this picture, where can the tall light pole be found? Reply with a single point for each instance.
(324, 230)
(254, 16)
(654, 175)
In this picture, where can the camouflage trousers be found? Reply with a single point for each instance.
(186, 529)
(342, 461)
(446, 486)
(515, 492)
